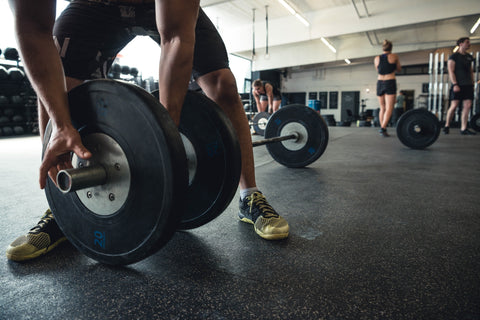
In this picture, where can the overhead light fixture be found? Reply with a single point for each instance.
(295, 13)
(475, 26)
(287, 6)
(328, 45)
(302, 20)
(348, 61)
(455, 49)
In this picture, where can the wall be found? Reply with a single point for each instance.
(347, 78)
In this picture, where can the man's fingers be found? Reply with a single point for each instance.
(42, 179)
(52, 173)
(82, 152)
(50, 166)
(44, 168)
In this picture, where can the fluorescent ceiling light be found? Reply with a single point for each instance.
(348, 61)
(287, 6)
(295, 13)
(328, 45)
(302, 19)
(475, 26)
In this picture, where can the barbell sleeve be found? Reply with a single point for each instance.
(275, 139)
(70, 180)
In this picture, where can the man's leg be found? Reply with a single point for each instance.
(467, 105)
(450, 112)
(220, 86)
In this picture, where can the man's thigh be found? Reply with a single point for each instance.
(89, 37)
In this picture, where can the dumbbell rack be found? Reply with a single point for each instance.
(18, 107)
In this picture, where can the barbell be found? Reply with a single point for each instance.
(418, 128)
(475, 122)
(259, 122)
(147, 179)
(303, 134)
(295, 136)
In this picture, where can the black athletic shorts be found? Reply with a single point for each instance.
(386, 87)
(89, 36)
(465, 93)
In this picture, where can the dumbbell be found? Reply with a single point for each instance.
(16, 74)
(11, 54)
(17, 100)
(125, 70)
(4, 101)
(3, 73)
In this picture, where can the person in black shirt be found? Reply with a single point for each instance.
(460, 72)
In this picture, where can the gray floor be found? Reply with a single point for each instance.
(378, 231)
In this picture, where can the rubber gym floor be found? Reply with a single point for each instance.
(378, 231)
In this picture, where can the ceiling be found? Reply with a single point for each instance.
(356, 28)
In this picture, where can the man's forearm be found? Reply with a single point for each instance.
(451, 71)
(45, 72)
(33, 27)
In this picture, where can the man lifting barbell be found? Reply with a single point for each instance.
(88, 36)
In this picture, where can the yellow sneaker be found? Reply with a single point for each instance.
(42, 238)
(268, 224)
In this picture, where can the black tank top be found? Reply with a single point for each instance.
(385, 67)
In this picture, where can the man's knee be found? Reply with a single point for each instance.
(220, 84)
(467, 104)
(454, 104)
(72, 83)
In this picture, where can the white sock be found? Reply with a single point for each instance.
(246, 192)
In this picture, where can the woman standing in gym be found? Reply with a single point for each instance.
(386, 64)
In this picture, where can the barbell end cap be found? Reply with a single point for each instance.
(69, 180)
(296, 135)
(64, 181)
